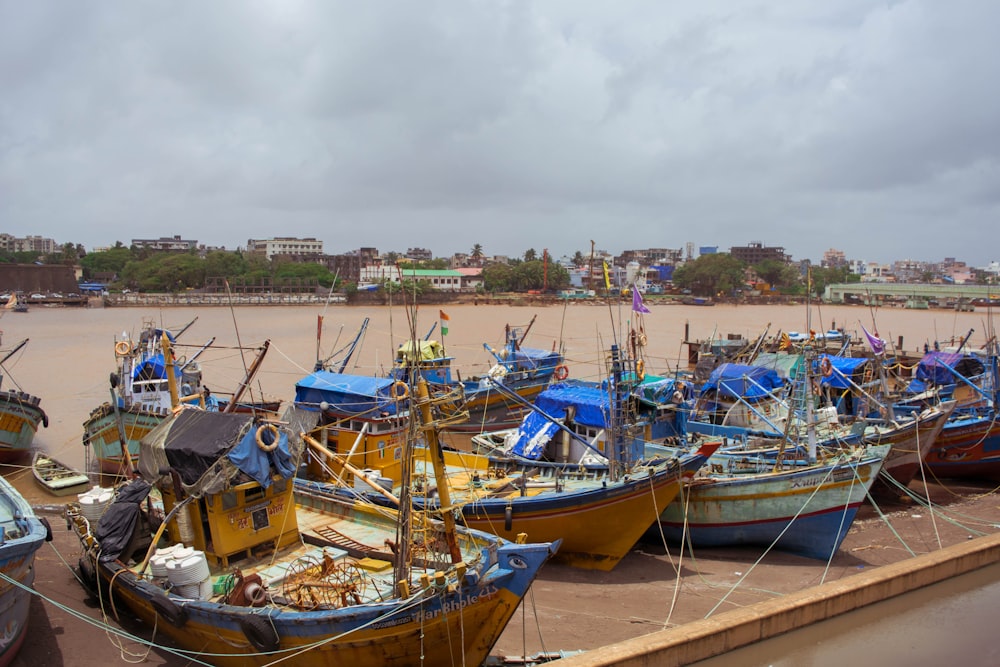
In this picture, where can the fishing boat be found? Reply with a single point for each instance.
(20, 417)
(21, 535)
(523, 371)
(803, 508)
(247, 568)
(58, 478)
(148, 383)
(597, 512)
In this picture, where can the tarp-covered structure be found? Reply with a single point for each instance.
(345, 394)
(784, 364)
(208, 450)
(843, 369)
(750, 383)
(424, 350)
(530, 358)
(940, 368)
(589, 404)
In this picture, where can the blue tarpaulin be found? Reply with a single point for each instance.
(153, 368)
(590, 402)
(347, 394)
(255, 462)
(842, 366)
(749, 382)
(532, 435)
(933, 369)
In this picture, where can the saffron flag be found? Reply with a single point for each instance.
(786, 342)
(607, 278)
(637, 305)
(444, 322)
(876, 343)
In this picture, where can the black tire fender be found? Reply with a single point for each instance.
(168, 610)
(87, 572)
(259, 632)
(48, 528)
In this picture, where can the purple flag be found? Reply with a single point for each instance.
(637, 304)
(877, 344)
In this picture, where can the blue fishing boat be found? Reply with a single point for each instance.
(803, 508)
(21, 535)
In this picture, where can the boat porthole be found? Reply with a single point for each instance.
(259, 632)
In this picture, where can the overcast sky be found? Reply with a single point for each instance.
(870, 127)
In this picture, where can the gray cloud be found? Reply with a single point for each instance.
(868, 128)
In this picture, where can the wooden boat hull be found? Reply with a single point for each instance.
(57, 478)
(100, 433)
(597, 520)
(807, 512)
(967, 447)
(455, 621)
(910, 445)
(20, 416)
(23, 538)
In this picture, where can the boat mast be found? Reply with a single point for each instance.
(430, 430)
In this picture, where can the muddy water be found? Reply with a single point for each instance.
(71, 350)
(948, 623)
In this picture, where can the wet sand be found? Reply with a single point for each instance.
(70, 356)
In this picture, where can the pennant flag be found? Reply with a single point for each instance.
(637, 305)
(786, 341)
(607, 277)
(876, 343)
(444, 322)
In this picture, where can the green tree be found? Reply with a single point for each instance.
(530, 255)
(775, 273)
(498, 278)
(112, 260)
(303, 273)
(710, 275)
(578, 259)
(165, 272)
(477, 254)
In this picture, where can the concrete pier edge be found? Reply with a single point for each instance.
(706, 638)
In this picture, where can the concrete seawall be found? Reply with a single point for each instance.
(706, 638)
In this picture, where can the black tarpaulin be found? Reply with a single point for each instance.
(117, 525)
(197, 440)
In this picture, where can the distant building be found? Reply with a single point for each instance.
(175, 243)
(648, 256)
(38, 244)
(285, 245)
(834, 259)
(448, 280)
(756, 252)
(419, 254)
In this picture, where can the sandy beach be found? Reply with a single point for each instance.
(70, 355)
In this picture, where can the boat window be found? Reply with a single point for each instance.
(228, 500)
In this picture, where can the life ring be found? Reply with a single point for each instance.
(640, 369)
(560, 373)
(826, 367)
(122, 348)
(267, 428)
(400, 391)
(259, 632)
